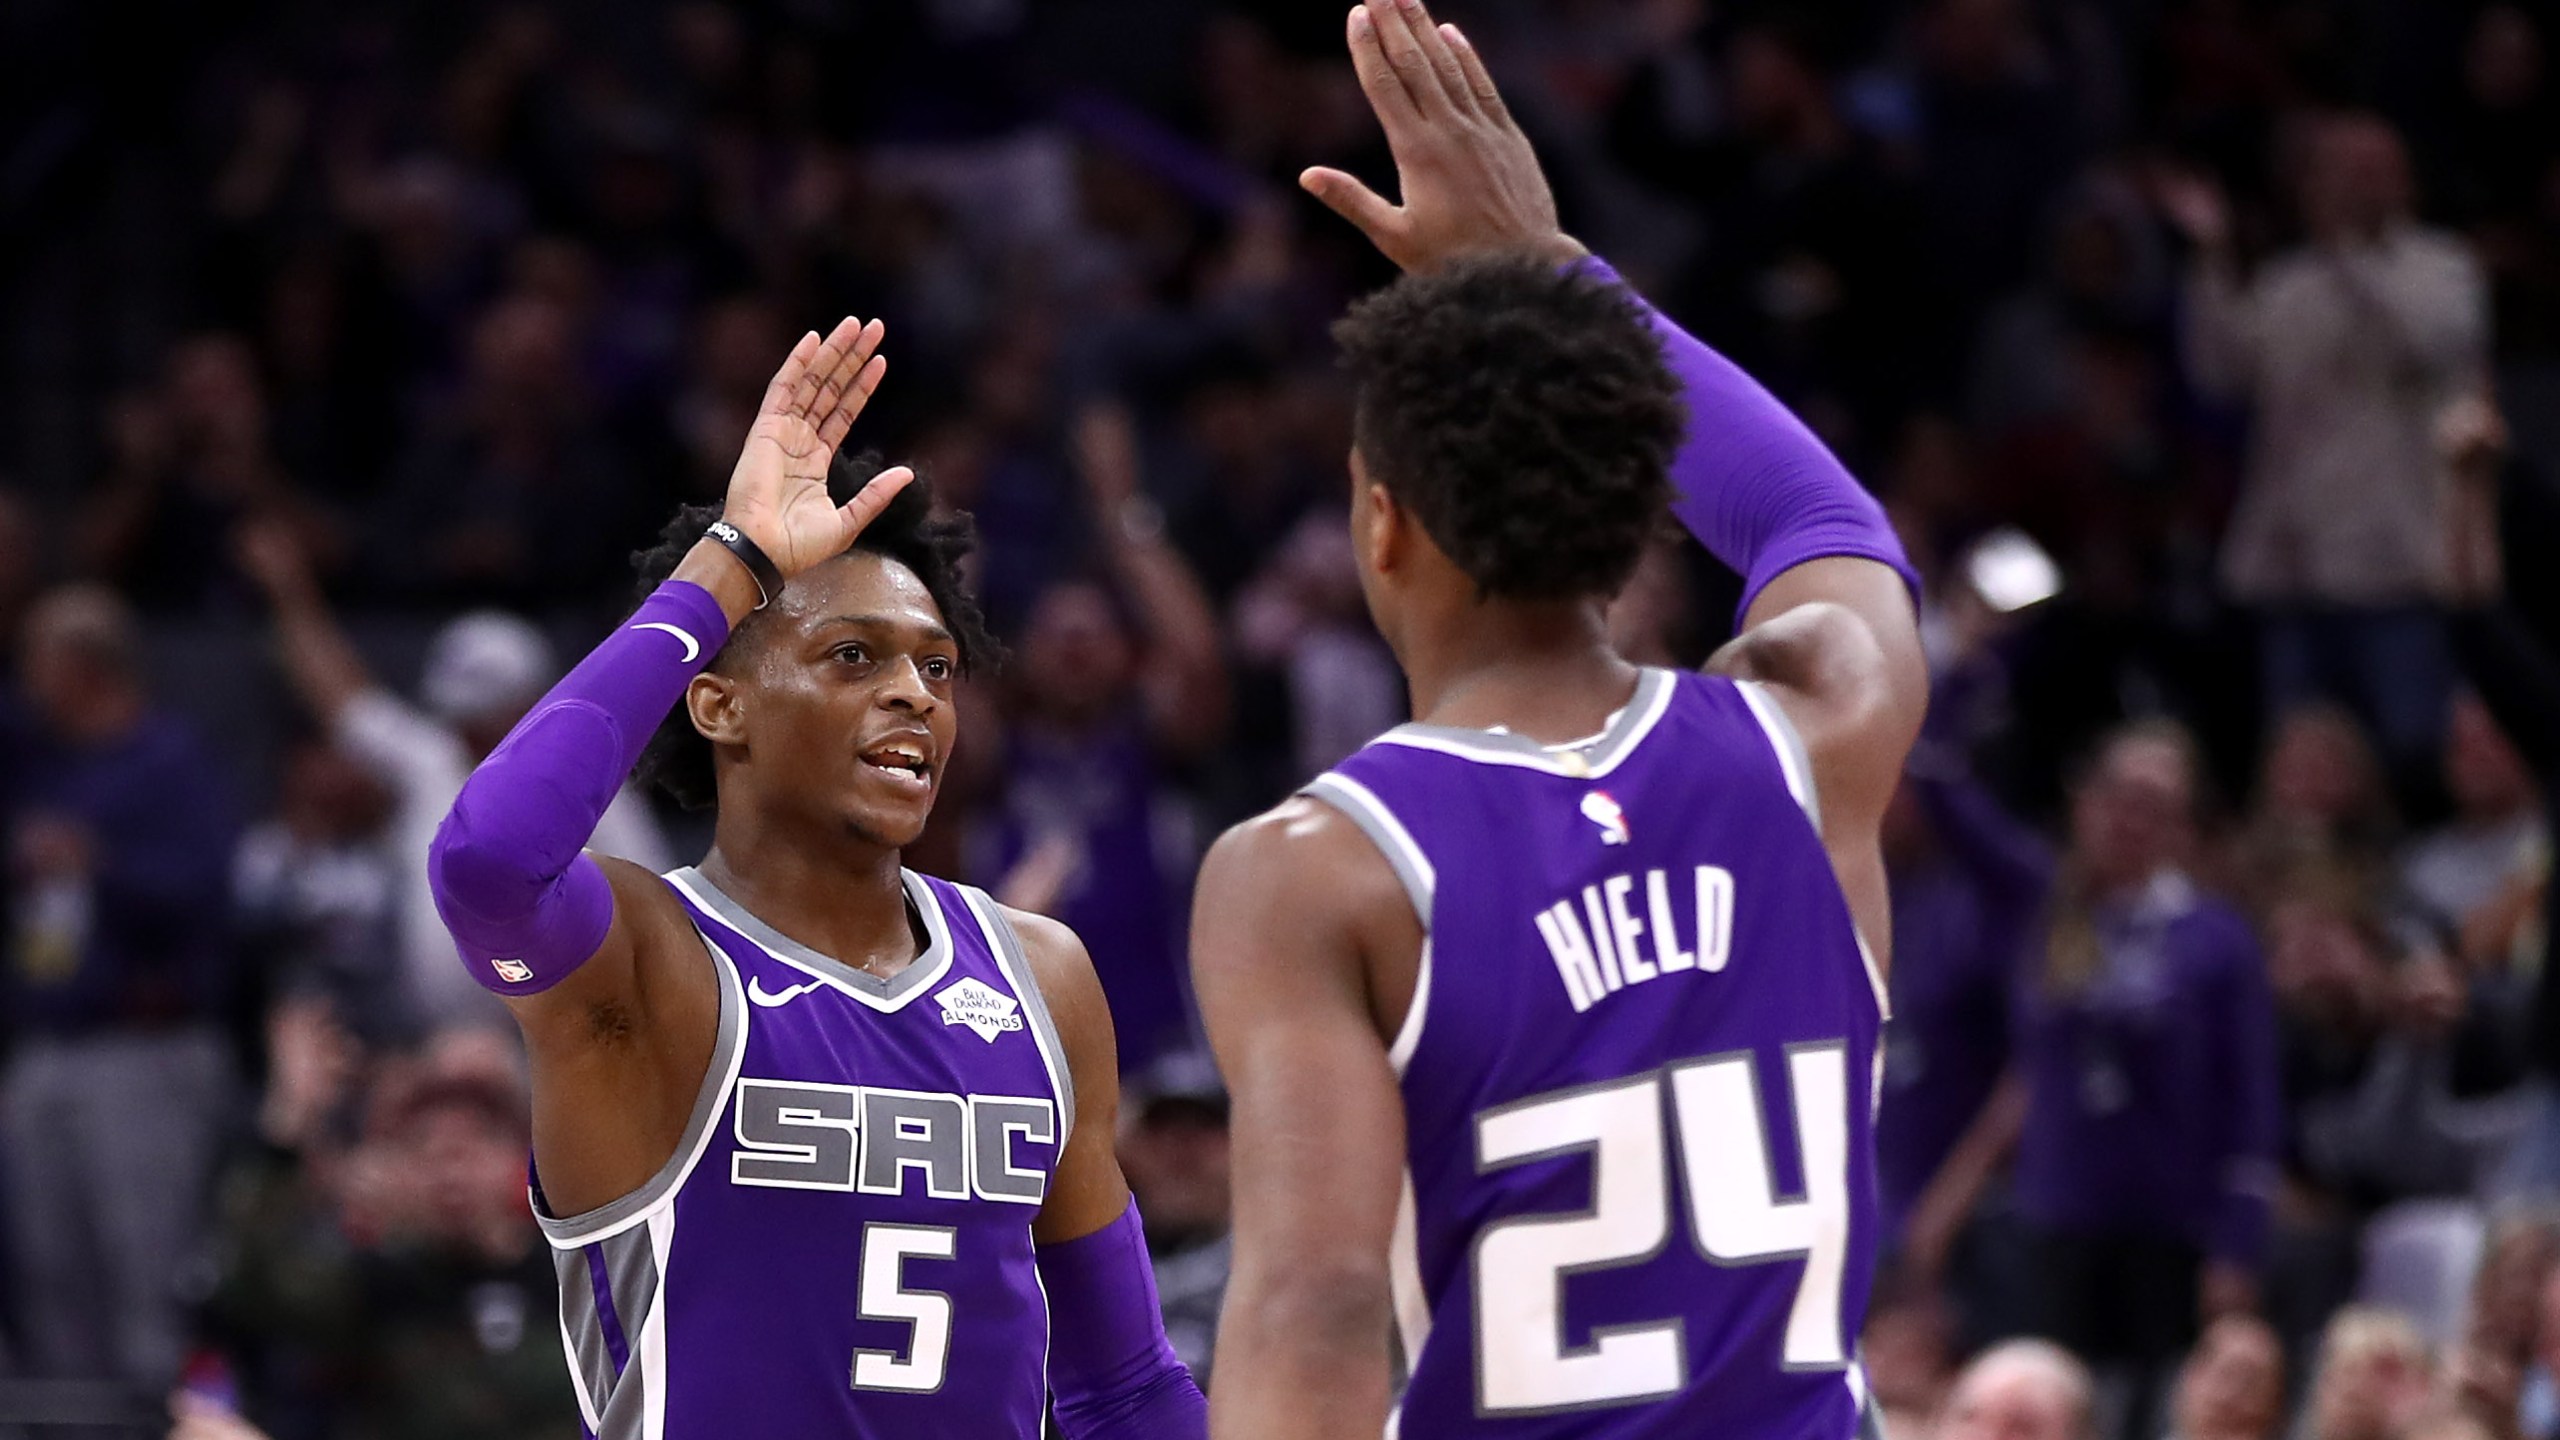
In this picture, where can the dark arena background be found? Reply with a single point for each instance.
(2205, 352)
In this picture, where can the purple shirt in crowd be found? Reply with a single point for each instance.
(1120, 897)
(2153, 1090)
(1963, 916)
(140, 939)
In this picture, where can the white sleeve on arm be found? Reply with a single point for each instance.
(401, 743)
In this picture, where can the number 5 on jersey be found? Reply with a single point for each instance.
(1735, 1218)
(885, 1295)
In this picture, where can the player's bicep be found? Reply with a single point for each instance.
(1318, 1143)
(1086, 1191)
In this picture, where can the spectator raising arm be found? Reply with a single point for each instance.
(318, 658)
(1183, 673)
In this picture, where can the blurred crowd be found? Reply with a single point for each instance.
(350, 348)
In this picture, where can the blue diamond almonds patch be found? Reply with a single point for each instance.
(981, 1007)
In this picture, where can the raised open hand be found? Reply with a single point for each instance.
(1469, 179)
(778, 492)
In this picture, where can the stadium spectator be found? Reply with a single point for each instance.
(1120, 676)
(315, 892)
(119, 1080)
(1970, 885)
(2232, 1386)
(1174, 1151)
(2142, 1105)
(2021, 1390)
(482, 671)
(2345, 350)
(2495, 835)
(396, 1289)
(2375, 1376)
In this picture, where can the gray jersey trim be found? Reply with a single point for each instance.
(631, 1275)
(1007, 948)
(1362, 807)
(728, 1051)
(1794, 761)
(870, 989)
(1583, 759)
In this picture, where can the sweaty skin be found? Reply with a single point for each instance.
(1305, 947)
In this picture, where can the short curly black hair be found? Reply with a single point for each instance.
(1524, 414)
(677, 758)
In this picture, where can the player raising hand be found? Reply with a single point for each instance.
(1546, 1018)
(823, 1147)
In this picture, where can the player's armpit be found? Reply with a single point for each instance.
(1290, 911)
(1837, 642)
(619, 1047)
(1086, 1192)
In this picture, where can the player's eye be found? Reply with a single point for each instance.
(939, 667)
(849, 654)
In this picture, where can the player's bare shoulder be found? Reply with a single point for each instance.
(1301, 884)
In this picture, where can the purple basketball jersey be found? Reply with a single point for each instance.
(1638, 1078)
(841, 1244)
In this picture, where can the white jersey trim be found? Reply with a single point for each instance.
(652, 1358)
(1005, 948)
(1404, 1276)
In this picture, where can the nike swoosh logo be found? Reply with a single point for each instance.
(692, 647)
(767, 999)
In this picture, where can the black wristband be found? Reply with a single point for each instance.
(768, 576)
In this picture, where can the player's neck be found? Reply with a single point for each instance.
(1546, 672)
(836, 894)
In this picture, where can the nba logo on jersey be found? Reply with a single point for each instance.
(1602, 809)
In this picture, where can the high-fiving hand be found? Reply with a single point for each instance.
(1467, 174)
(778, 492)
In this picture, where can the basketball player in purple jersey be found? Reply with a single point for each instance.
(1546, 1018)
(823, 1147)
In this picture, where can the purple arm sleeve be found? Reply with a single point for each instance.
(1112, 1373)
(525, 904)
(1752, 483)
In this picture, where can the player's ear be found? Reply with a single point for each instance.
(1377, 521)
(717, 709)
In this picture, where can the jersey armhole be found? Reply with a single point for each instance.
(1362, 807)
(1796, 763)
(728, 1052)
(1006, 947)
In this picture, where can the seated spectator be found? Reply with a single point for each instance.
(1173, 1149)
(397, 1290)
(2232, 1386)
(2374, 1376)
(2322, 800)
(1907, 1349)
(2021, 1390)
(2497, 830)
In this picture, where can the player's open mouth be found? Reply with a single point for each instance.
(902, 760)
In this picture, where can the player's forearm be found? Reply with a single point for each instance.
(1302, 1358)
(1757, 488)
(507, 867)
